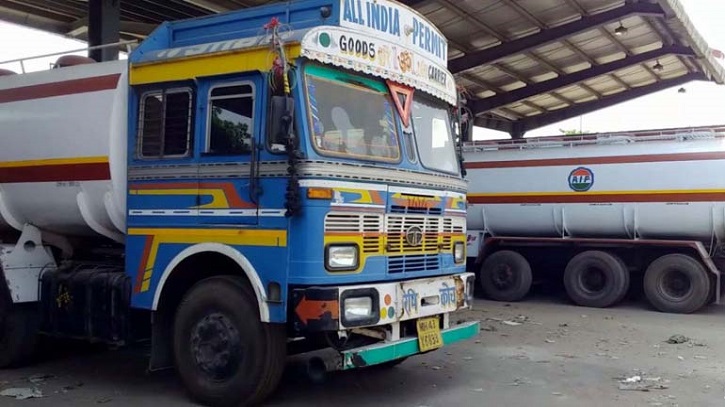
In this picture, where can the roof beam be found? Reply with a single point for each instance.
(550, 35)
(219, 6)
(513, 96)
(588, 107)
(14, 14)
(413, 3)
(493, 123)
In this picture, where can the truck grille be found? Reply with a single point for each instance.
(413, 263)
(397, 227)
(370, 225)
(452, 226)
(408, 210)
(387, 235)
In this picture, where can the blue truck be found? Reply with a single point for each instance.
(245, 186)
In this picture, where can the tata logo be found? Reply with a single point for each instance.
(414, 236)
(581, 179)
(420, 203)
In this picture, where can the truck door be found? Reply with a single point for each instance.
(162, 188)
(228, 136)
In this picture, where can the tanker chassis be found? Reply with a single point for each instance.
(600, 213)
(246, 185)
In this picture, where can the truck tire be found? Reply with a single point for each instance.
(629, 280)
(676, 283)
(18, 335)
(225, 355)
(505, 276)
(596, 279)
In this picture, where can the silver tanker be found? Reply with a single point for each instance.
(598, 212)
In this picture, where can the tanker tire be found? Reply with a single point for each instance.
(629, 280)
(18, 335)
(225, 355)
(603, 289)
(505, 276)
(677, 283)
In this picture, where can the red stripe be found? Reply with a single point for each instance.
(54, 173)
(622, 159)
(69, 87)
(142, 266)
(614, 198)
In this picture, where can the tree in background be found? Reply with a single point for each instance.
(574, 132)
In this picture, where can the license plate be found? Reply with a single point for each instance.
(429, 334)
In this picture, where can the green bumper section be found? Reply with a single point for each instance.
(381, 353)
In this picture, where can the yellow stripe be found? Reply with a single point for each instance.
(219, 197)
(251, 237)
(207, 65)
(54, 161)
(604, 193)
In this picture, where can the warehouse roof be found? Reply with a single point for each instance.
(524, 63)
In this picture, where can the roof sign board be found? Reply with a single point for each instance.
(375, 54)
(396, 23)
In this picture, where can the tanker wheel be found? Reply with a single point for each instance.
(505, 276)
(596, 279)
(677, 283)
(18, 335)
(224, 354)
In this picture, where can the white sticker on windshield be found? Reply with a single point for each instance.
(440, 133)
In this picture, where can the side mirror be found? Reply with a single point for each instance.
(281, 118)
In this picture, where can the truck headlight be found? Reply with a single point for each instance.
(358, 308)
(341, 257)
(459, 252)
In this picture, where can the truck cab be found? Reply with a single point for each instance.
(292, 184)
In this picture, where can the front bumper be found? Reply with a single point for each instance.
(315, 309)
(389, 351)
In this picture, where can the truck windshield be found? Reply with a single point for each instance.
(432, 126)
(351, 116)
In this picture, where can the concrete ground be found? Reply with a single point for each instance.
(541, 352)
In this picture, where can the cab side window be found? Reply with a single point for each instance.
(165, 124)
(231, 120)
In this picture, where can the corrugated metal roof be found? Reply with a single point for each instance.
(523, 63)
(530, 63)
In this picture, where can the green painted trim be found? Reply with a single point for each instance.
(381, 353)
(335, 74)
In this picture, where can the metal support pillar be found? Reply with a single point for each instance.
(104, 26)
(517, 131)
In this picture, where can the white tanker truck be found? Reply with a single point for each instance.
(600, 211)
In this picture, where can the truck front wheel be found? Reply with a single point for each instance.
(224, 354)
(677, 283)
(505, 276)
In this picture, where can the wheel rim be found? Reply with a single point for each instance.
(593, 280)
(675, 285)
(503, 277)
(216, 347)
